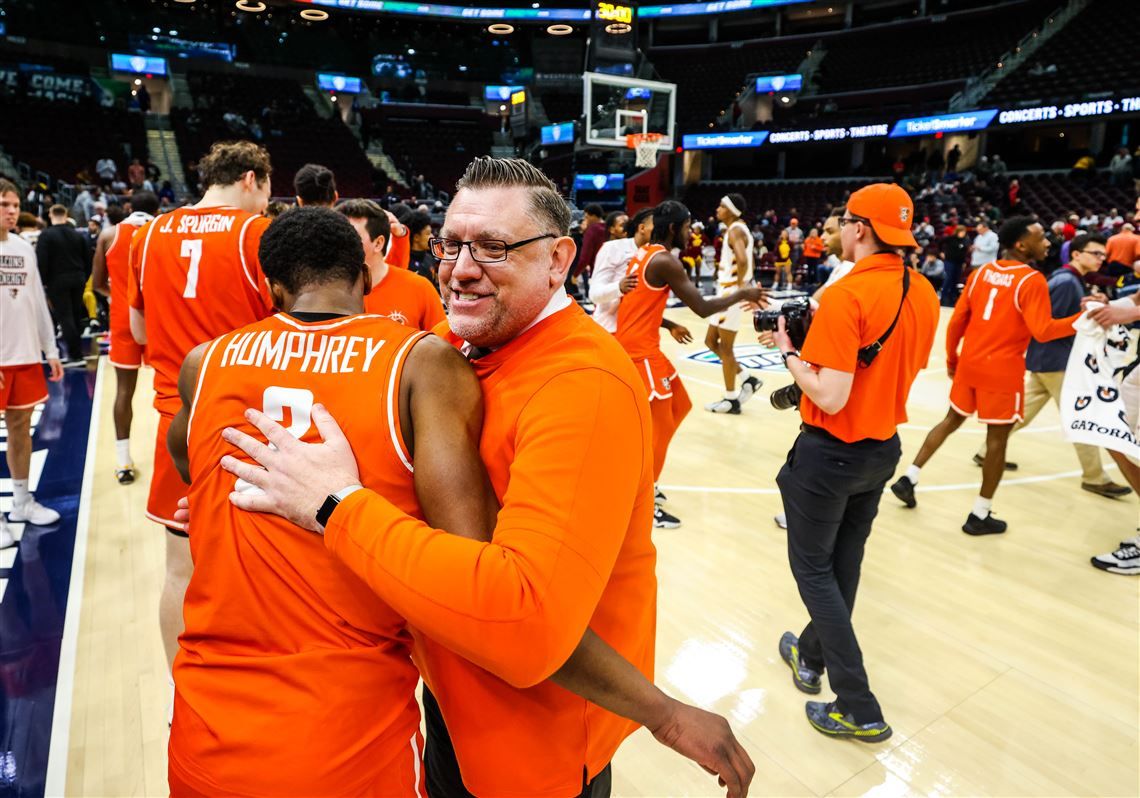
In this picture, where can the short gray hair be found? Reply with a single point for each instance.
(547, 207)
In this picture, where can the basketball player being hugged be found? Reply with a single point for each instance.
(399, 294)
(194, 272)
(270, 611)
(1005, 302)
(109, 277)
(733, 273)
(639, 319)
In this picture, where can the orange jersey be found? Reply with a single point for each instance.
(292, 677)
(1004, 304)
(406, 297)
(559, 560)
(118, 265)
(195, 273)
(642, 309)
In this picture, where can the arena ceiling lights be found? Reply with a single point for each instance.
(569, 15)
(501, 29)
(559, 29)
(254, 7)
(314, 14)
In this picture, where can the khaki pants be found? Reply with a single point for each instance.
(1040, 387)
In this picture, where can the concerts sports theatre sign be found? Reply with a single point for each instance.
(962, 122)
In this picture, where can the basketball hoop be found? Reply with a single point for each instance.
(645, 147)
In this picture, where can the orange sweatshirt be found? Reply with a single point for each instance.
(567, 443)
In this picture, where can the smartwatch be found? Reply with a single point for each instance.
(331, 501)
(786, 355)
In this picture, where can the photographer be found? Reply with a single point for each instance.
(861, 354)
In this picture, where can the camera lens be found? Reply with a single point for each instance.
(787, 397)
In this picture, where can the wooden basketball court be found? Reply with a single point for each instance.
(1007, 665)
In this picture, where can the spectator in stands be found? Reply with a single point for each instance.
(1111, 221)
(315, 185)
(143, 97)
(983, 169)
(934, 269)
(985, 248)
(106, 169)
(1056, 237)
(813, 252)
(28, 227)
(1084, 170)
(997, 167)
(783, 261)
(795, 238)
(593, 236)
(954, 252)
(1013, 196)
(153, 173)
(991, 212)
(1122, 251)
(84, 206)
(1120, 168)
(166, 193)
(923, 231)
(65, 263)
(898, 169)
(1089, 222)
(37, 200)
(421, 261)
(952, 159)
(136, 173)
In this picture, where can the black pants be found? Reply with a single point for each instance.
(66, 296)
(831, 493)
(442, 768)
(950, 278)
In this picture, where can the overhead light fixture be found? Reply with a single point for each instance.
(185, 1)
(559, 29)
(411, 51)
(618, 28)
(314, 15)
(500, 29)
(252, 6)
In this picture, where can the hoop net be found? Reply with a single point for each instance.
(644, 146)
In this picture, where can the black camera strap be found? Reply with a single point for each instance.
(869, 352)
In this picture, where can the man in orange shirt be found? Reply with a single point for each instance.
(109, 277)
(1005, 302)
(865, 346)
(559, 561)
(640, 317)
(195, 272)
(399, 294)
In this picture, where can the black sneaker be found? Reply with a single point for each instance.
(662, 519)
(904, 490)
(804, 678)
(125, 475)
(724, 405)
(750, 387)
(826, 719)
(980, 461)
(983, 526)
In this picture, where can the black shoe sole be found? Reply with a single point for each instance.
(904, 497)
(976, 532)
(848, 735)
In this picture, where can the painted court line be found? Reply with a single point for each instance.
(56, 779)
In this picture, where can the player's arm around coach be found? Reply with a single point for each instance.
(852, 403)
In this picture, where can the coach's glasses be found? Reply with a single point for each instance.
(483, 250)
(846, 220)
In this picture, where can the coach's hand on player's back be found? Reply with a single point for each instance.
(627, 284)
(295, 477)
(707, 739)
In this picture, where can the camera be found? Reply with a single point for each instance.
(797, 318)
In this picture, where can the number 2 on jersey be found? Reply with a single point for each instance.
(274, 402)
(989, 305)
(192, 249)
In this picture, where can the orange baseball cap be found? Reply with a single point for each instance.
(890, 210)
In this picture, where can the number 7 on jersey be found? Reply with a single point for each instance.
(192, 249)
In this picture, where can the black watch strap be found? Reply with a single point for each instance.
(326, 511)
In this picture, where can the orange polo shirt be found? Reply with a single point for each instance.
(406, 297)
(857, 316)
(567, 443)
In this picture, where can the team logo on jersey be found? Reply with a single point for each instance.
(904, 214)
(1107, 393)
(398, 317)
(666, 383)
(1082, 402)
(1090, 361)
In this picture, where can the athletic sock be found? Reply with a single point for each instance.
(982, 506)
(20, 491)
(123, 452)
(732, 394)
(912, 472)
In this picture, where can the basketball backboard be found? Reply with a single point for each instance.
(616, 106)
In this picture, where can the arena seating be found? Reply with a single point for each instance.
(1074, 63)
(1050, 196)
(232, 106)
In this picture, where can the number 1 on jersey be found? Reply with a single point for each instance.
(192, 249)
(989, 305)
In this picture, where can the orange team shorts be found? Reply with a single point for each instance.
(658, 375)
(125, 352)
(166, 485)
(992, 407)
(24, 387)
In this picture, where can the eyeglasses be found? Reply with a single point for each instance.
(483, 250)
(1101, 255)
(846, 220)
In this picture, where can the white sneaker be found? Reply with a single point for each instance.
(724, 405)
(6, 537)
(32, 512)
(658, 496)
(1125, 560)
(663, 520)
(749, 387)
(781, 521)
